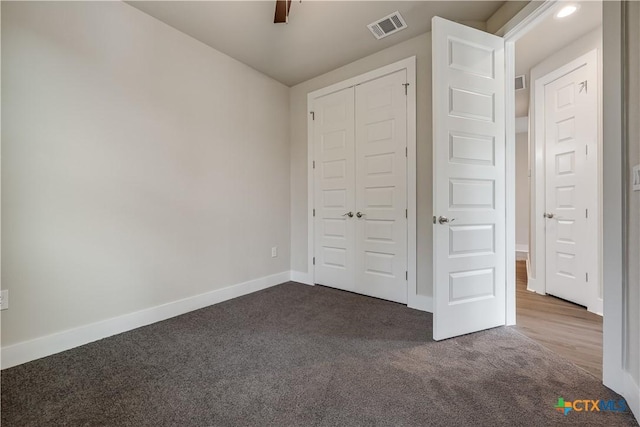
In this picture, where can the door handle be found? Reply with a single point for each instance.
(360, 214)
(445, 220)
(349, 214)
(548, 215)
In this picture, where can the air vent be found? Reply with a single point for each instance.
(388, 25)
(521, 82)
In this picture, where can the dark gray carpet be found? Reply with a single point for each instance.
(303, 356)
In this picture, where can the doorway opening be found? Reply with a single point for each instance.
(558, 184)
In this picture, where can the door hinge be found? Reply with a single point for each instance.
(314, 212)
(406, 151)
(434, 219)
(314, 260)
(314, 164)
(586, 150)
(406, 213)
(586, 276)
(586, 213)
(405, 87)
(313, 115)
(406, 275)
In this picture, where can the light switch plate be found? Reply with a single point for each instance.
(635, 178)
(4, 299)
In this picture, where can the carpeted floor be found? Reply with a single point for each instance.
(302, 356)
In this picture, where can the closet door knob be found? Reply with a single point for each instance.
(360, 214)
(349, 214)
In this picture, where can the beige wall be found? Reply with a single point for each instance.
(139, 166)
(507, 11)
(633, 293)
(522, 190)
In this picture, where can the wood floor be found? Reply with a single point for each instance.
(565, 328)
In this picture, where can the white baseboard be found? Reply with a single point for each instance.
(301, 277)
(631, 394)
(522, 252)
(422, 303)
(37, 348)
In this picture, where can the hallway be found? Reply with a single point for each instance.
(563, 327)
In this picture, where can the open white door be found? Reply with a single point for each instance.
(469, 180)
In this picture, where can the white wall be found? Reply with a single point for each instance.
(585, 44)
(139, 166)
(522, 191)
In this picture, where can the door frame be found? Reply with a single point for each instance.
(409, 64)
(539, 148)
(531, 15)
(615, 186)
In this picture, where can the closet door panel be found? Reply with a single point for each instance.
(334, 194)
(380, 187)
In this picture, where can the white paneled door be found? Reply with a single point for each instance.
(334, 228)
(381, 188)
(360, 141)
(571, 132)
(469, 180)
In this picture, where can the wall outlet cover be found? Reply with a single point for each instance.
(274, 252)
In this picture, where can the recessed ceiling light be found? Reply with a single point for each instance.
(566, 11)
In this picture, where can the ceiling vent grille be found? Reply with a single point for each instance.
(388, 25)
(521, 82)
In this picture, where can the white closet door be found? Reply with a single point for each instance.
(381, 188)
(335, 189)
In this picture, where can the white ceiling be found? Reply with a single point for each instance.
(320, 36)
(550, 36)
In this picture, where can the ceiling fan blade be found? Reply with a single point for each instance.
(282, 11)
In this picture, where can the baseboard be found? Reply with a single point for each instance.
(631, 394)
(422, 303)
(301, 277)
(26, 351)
(522, 252)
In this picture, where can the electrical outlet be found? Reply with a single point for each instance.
(4, 299)
(274, 252)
